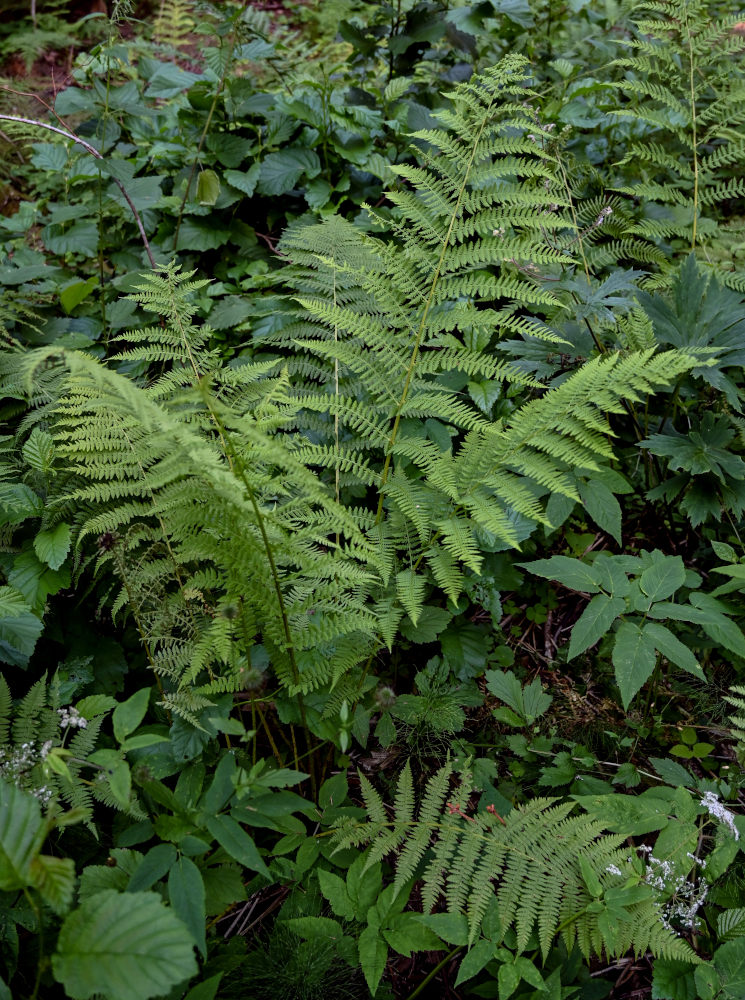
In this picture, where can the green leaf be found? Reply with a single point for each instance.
(475, 960)
(572, 573)
(234, 839)
(729, 961)
(602, 507)
(594, 622)
(127, 946)
(666, 575)
(19, 629)
(634, 658)
(55, 880)
(281, 171)
(508, 980)
(21, 836)
(72, 295)
(154, 865)
(373, 953)
(52, 546)
(208, 187)
(187, 898)
(206, 990)
(334, 889)
(673, 980)
(130, 713)
(673, 649)
(244, 181)
(405, 933)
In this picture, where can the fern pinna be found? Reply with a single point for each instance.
(552, 872)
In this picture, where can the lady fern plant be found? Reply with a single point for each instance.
(684, 83)
(310, 499)
(551, 872)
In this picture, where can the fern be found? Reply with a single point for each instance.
(552, 872)
(686, 97)
(223, 493)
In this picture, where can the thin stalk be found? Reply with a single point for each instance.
(431, 975)
(691, 72)
(99, 156)
(203, 137)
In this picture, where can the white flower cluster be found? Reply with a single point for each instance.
(71, 717)
(16, 762)
(715, 808)
(686, 895)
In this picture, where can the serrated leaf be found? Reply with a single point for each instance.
(21, 836)
(281, 171)
(572, 573)
(187, 898)
(52, 546)
(602, 507)
(673, 649)
(127, 946)
(594, 622)
(634, 658)
(234, 839)
(663, 578)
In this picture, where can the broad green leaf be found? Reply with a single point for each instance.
(72, 295)
(594, 622)
(632, 815)
(19, 628)
(673, 980)
(508, 979)
(663, 578)
(405, 933)
(55, 880)
(130, 713)
(475, 960)
(21, 836)
(573, 573)
(602, 507)
(117, 774)
(187, 898)
(673, 649)
(155, 864)
(53, 545)
(634, 658)
(234, 839)
(127, 946)
(245, 181)
(208, 187)
(729, 961)
(373, 953)
(38, 451)
(281, 171)
(206, 990)
(450, 927)
(334, 890)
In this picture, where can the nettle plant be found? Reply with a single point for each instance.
(633, 597)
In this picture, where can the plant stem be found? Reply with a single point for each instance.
(431, 975)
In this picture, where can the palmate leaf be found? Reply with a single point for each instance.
(126, 946)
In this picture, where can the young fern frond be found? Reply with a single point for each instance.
(552, 872)
(686, 87)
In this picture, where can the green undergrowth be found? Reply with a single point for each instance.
(372, 488)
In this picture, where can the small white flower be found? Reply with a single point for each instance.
(71, 717)
(614, 870)
(715, 808)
